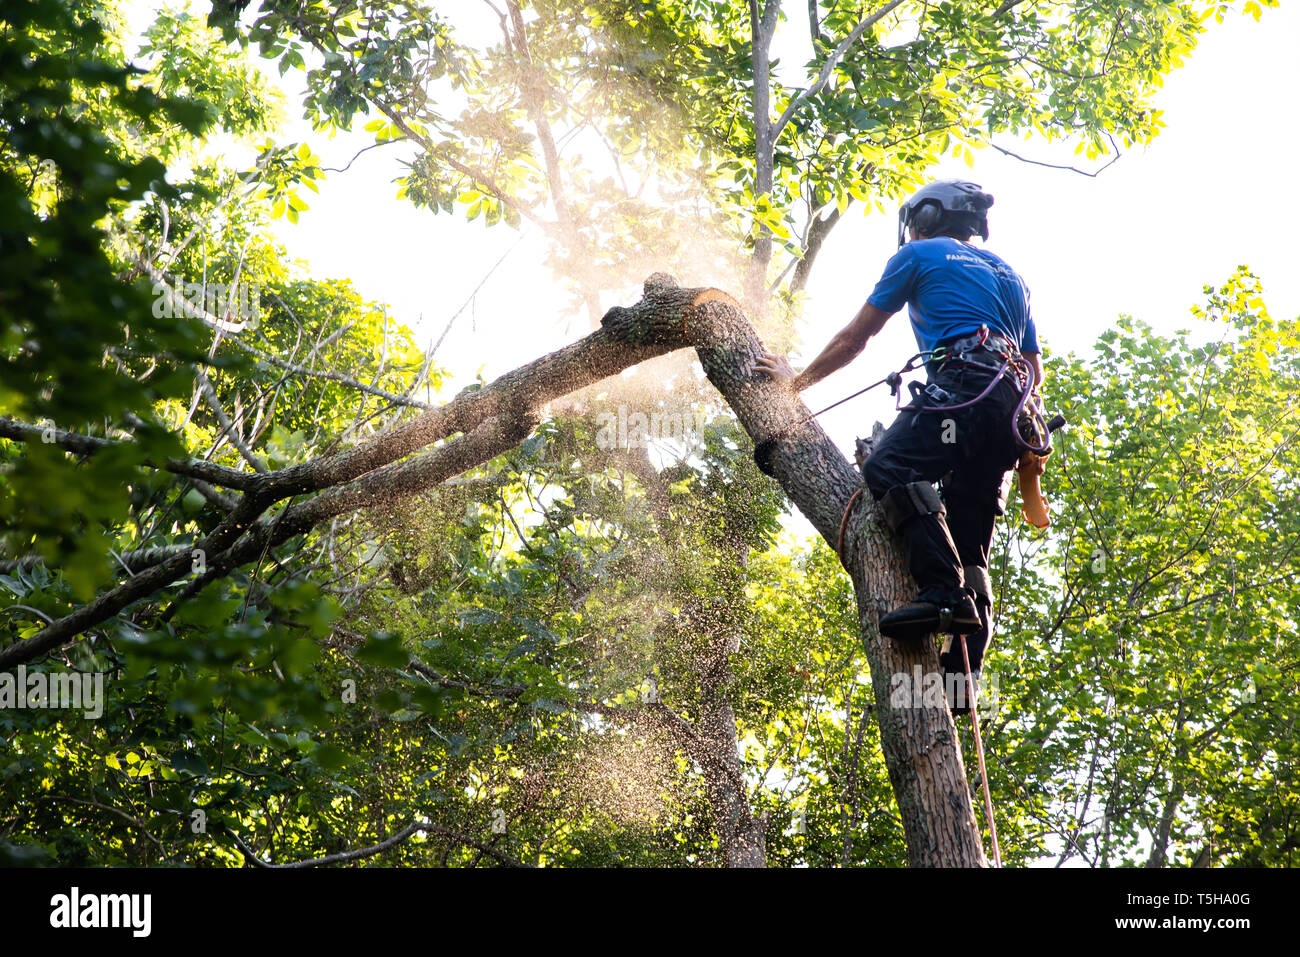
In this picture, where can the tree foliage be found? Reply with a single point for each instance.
(578, 652)
(1149, 676)
(694, 137)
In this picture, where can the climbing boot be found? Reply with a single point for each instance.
(928, 615)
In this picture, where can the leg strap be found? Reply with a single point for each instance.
(902, 503)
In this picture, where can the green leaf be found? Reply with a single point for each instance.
(384, 649)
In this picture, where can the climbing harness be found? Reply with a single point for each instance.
(979, 751)
(1029, 424)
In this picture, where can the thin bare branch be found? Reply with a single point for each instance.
(88, 445)
(227, 426)
(831, 61)
(339, 858)
(346, 380)
(364, 149)
(501, 857)
(1073, 169)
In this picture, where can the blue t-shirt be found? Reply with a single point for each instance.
(951, 288)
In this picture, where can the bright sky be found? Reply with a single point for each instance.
(1142, 238)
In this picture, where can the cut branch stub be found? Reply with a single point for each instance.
(660, 318)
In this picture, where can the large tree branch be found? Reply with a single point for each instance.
(89, 444)
(492, 417)
(627, 337)
(108, 604)
(400, 480)
(139, 559)
(918, 736)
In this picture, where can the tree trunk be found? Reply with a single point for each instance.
(762, 29)
(919, 739)
(1177, 787)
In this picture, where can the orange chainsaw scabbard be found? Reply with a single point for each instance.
(1034, 506)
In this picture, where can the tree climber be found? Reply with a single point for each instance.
(971, 318)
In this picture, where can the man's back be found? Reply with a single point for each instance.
(951, 288)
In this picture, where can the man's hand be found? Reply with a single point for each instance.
(778, 367)
(839, 352)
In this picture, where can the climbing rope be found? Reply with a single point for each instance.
(839, 545)
(970, 693)
(763, 449)
(979, 751)
(894, 380)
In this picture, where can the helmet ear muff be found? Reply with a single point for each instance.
(981, 202)
(927, 218)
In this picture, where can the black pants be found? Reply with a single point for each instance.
(969, 451)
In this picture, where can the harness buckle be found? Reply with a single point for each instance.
(940, 396)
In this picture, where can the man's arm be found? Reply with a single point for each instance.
(1036, 362)
(844, 347)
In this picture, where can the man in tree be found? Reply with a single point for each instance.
(971, 317)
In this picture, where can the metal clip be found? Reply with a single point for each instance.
(940, 396)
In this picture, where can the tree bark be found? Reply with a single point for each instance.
(919, 739)
(762, 29)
